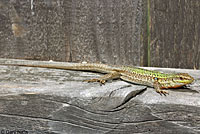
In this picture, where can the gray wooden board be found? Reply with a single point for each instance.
(40, 100)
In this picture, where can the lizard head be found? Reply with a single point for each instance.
(183, 79)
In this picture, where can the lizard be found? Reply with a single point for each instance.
(158, 80)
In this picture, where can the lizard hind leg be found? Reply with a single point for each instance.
(105, 78)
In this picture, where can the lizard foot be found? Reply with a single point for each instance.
(157, 86)
(162, 92)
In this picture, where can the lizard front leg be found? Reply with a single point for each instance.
(157, 86)
(106, 77)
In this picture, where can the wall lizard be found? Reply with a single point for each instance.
(135, 75)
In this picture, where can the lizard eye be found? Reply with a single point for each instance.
(181, 78)
(155, 78)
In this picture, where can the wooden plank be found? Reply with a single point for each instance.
(112, 31)
(66, 30)
(44, 36)
(39, 100)
(107, 31)
(175, 23)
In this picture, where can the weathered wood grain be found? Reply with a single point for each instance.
(66, 30)
(40, 100)
(44, 38)
(107, 31)
(175, 24)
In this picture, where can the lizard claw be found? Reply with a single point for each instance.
(162, 92)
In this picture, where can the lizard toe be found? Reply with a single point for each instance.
(162, 92)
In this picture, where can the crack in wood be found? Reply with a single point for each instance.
(123, 87)
(76, 106)
(127, 98)
(84, 125)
